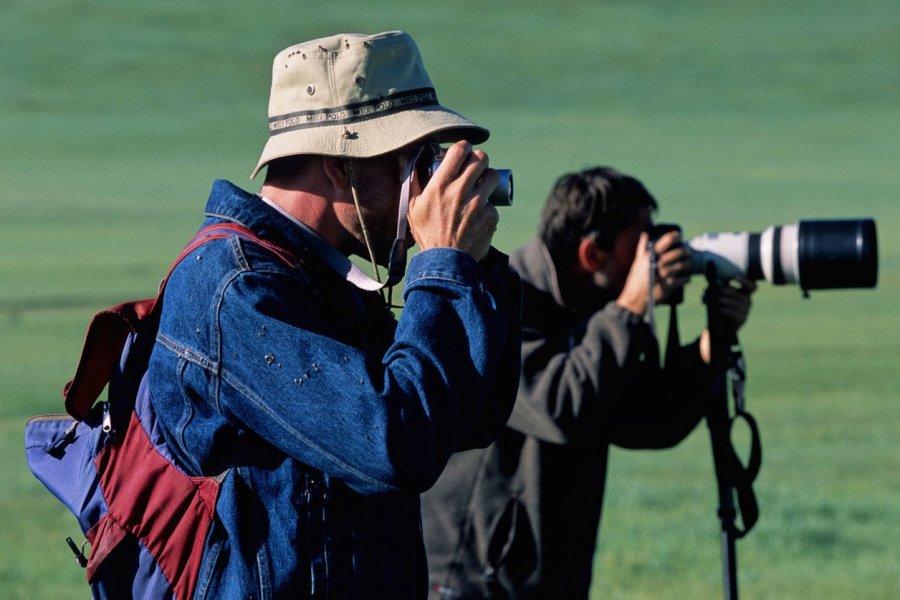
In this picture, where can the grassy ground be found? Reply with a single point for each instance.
(116, 115)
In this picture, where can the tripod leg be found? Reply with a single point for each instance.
(718, 420)
(729, 566)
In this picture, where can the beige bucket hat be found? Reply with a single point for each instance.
(356, 96)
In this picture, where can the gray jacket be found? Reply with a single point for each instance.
(520, 518)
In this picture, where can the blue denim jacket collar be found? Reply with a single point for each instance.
(228, 201)
(311, 240)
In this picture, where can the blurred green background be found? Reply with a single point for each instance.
(115, 116)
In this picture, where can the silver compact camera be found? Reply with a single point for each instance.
(430, 160)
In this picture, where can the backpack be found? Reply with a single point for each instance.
(145, 518)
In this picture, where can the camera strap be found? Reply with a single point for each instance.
(651, 301)
(397, 260)
(742, 476)
(342, 264)
(734, 478)
(673, 339)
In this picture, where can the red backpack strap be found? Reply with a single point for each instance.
(109, 329)
(103, 343)
(221, 230)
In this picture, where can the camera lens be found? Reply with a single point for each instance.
(815, 255)
(837, 254)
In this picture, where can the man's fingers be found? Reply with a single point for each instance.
(468, 168)
(455, 160)
(458, 215)
(486, 184)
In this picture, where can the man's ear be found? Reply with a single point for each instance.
(337, 170)
(591, 257)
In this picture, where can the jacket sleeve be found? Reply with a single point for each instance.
(602, 381)
(378, 422)
(504, 290)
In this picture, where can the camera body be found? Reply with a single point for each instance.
(502, 194)
(655, 232)
(660, 229)
(430, 159)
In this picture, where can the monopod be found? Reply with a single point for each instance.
(733, 478)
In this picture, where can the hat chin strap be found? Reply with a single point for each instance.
(397, 258)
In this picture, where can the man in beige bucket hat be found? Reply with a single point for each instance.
(290, 379)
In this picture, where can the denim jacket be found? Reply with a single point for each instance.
(322, 415)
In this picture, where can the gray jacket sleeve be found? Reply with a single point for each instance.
(601, 381)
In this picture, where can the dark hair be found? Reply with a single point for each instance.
(600, 201)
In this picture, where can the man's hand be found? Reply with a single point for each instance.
(672, 272)
(730, 302)
(452, 211)
(673, 266)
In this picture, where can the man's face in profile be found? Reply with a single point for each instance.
(379, 181)
(623, 252)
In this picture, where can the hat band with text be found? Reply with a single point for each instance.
(351, 113)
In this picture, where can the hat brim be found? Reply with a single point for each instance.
(373, 137)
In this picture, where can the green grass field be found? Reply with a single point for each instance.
(116, 115)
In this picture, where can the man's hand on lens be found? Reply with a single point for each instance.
(731, 300)
(452, 211)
